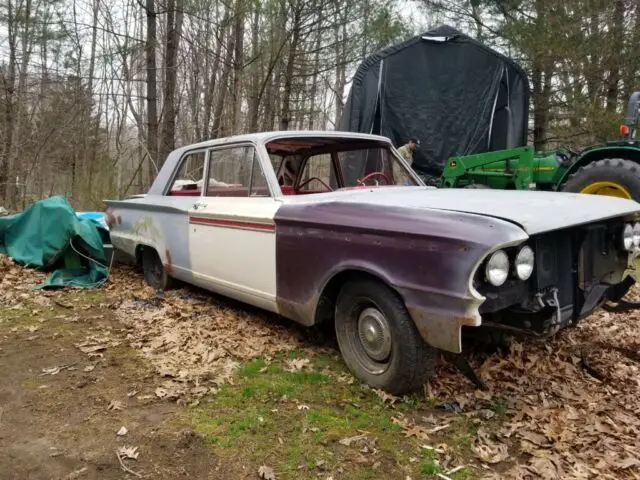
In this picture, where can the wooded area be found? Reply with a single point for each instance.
(94, 94)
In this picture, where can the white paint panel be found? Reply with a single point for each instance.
(232, 244)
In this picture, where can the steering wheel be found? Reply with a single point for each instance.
(309, 181)
(362, 180)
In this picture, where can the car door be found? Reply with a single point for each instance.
(232, 230)
(166, 225)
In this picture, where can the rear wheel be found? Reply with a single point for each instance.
(378, 340)
(154, 273)
(614, 177)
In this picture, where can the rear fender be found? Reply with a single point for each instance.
(629, 152)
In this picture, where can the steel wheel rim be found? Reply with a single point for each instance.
(610, 189)
(374, 334)
(361, 310)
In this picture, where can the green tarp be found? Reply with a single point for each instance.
(48, 235)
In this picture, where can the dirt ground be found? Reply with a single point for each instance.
(63, 424)
(210, 390)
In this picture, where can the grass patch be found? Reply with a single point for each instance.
(429, 463)
(293, 421)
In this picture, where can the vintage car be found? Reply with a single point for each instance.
(320, 226)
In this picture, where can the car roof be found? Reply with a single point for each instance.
(265, 137)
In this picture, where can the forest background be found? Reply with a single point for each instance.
(95, 93)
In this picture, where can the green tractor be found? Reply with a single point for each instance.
(611, 169)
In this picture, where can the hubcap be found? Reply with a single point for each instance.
(610, 189)
(374, 333)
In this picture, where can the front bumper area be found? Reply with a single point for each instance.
(575, 270)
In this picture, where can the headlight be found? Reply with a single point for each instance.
(524, 263)
(497, 269)
(636, 235)
(627, 237)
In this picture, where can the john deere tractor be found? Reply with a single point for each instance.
(611, 169)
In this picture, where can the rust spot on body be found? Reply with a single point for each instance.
(168, 265)
(110, 219)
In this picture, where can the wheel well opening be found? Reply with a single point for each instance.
(327, 302)
(139, 250)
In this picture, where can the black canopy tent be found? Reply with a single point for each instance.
(456, 95)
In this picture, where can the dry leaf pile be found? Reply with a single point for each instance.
(573, 402)
(16, 284)
(193, 342)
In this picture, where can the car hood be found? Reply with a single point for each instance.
(533, 211)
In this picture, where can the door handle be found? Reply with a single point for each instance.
(199, 204)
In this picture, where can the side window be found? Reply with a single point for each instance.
(189, 178)
(236, 172)
(318, 174)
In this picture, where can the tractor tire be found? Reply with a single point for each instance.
(619, 178)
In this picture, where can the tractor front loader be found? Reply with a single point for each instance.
(611, 169)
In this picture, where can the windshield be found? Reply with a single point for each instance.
(342, 164)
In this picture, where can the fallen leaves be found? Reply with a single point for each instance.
(386, 397)
(553, 419)
(494, 453)
(52, 370)
(347, 441)
(192, 341)
(297, 364)
(116, 405)
(128, 452)
(266, 473)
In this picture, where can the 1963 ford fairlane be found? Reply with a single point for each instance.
(332, 225)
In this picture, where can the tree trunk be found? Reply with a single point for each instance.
(174, 31)
(256, 58)
(152, 90)
(211, 76)
(238, 60)
(9, 84)
(217, 130)
(285, 115)
(316, 67)
(16, 133)
(615, 55)
(340, 68)
(541, 82)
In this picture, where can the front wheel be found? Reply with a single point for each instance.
(378, 340)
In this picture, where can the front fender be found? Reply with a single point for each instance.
(429, 258)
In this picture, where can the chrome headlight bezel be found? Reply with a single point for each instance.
(524, 263)
(496, 270)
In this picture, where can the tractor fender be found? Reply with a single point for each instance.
(590, 155)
